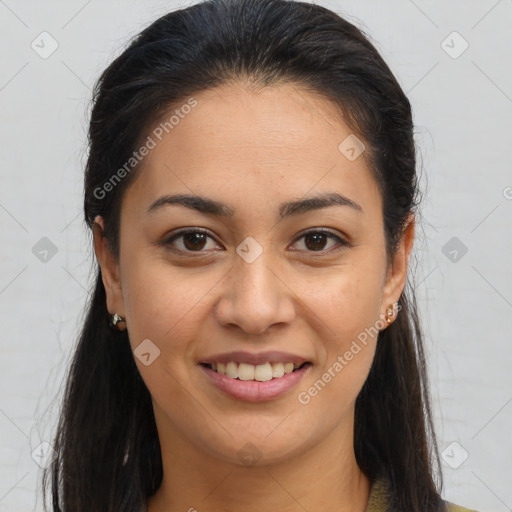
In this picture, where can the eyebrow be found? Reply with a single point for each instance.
(211, 207)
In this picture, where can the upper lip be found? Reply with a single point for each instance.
(241, 356)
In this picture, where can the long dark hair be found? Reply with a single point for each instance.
(107, 451)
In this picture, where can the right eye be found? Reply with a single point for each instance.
(191, 240)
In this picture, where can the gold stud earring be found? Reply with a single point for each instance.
(389, 313)
(117, 322)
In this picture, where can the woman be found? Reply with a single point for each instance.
(250, 343)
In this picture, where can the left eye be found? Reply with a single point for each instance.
(315, 239)
(195, 240)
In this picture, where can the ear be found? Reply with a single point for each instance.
(397, 272)
(109, 269)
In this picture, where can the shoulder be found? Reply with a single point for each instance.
(379, 499)
(451, 507)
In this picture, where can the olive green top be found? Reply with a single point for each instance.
(378, 501)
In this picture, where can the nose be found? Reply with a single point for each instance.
(257, 296)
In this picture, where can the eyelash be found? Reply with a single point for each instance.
(167, 242)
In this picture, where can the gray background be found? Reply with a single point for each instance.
(462, 104)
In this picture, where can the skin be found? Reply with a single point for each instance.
(253, 150)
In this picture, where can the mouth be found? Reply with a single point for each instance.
(260, 373)
(255, 383)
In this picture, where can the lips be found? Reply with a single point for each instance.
(255, 376)
(254, 390)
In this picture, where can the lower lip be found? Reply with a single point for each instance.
(253, 390)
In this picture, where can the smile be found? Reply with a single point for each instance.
(260, 372)
(245, 384)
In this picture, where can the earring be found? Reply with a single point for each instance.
(115, 320)
(389, 313)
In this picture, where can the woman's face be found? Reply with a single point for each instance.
(260, 278)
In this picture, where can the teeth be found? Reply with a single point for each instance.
(232, 370)
(260, 372)
(263, 372)
(277, 370)
(289, 367)
(246, 371)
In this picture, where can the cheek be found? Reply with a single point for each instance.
(346, 302)
(168, 309)
(348, 307)
(161, 299)
(164, 303)
(351, 312)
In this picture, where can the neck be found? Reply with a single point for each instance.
(326, 473)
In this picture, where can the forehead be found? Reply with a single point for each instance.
(253, 146)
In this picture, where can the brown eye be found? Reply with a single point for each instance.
(315, 241)
(192, 240)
